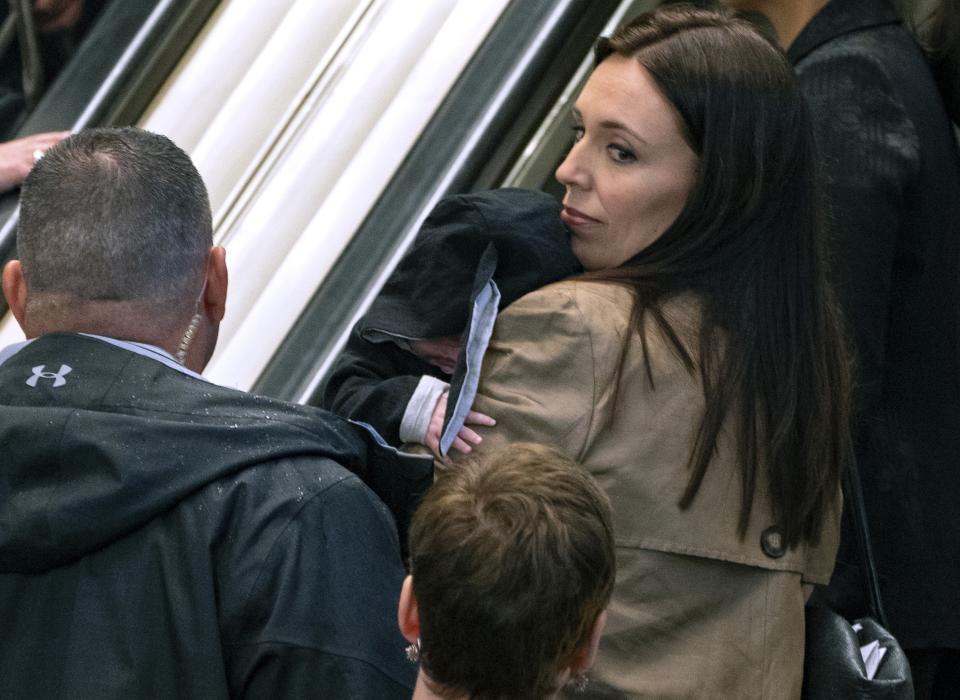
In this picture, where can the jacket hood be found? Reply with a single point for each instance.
(430, 295)
(96, 441)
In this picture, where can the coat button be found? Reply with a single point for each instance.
(771, 541)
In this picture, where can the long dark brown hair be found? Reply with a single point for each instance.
(749, 244)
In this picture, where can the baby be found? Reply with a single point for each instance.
(474, 255)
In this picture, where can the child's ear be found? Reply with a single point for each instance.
(586, 654)
(408, 615)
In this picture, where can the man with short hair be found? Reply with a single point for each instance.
(161, 536)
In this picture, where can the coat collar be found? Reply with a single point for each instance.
(841, 17)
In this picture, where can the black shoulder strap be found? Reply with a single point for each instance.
(854, 500)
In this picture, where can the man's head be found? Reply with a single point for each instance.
(512, 565)
(115, 238)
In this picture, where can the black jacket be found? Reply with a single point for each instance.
(162, 537)
(894, 179)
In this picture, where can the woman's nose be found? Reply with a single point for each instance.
(571, 172)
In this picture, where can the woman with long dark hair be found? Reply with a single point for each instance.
(698, 368)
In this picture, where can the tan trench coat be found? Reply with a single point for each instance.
(697, 612)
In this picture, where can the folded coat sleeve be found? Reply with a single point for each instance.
(539, 375)
(373, 383)
(420, 409)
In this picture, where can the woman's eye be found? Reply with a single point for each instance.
(620, 154)
(577, 132)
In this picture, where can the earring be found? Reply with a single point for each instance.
(579, 683)
(187, 339)
(413, 652)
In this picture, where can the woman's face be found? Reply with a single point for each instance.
(629, 173)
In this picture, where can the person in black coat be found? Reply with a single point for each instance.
(893, 169)
(161, 536)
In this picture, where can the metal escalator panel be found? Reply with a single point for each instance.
(245, 80)
(212, 70)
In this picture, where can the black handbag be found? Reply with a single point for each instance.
(833, 666)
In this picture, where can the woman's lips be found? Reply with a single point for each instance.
(573, 217)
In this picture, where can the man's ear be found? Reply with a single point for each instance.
(215, 292)
(586, 654)
(408, 614)
(15, 290)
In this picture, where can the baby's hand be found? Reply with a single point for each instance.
(465, 438)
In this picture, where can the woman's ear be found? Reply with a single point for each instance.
(408, 615)
(586, 654)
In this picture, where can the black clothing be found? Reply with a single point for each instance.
(55, 51)
(373, 383)
(432, 290)
(894, 184)
(163, 537)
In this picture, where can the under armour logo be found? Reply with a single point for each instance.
(57, 377)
